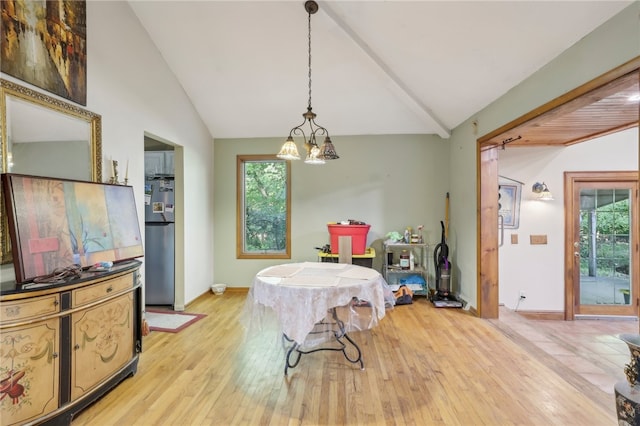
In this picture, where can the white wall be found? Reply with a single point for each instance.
(389, 182)
(538, 270)
(609, 46)
(130, 86)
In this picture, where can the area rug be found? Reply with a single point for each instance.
(170, 321)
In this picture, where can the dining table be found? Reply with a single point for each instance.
(316, 305)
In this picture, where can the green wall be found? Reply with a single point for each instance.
(401, 180)
(389, 182)
(612, 44)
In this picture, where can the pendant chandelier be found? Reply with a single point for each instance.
(315, 154)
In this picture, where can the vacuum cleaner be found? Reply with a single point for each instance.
(443, 298)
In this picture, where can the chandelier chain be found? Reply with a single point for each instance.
(309, 39)
(315, 154)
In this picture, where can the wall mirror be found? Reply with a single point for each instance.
(44, 136)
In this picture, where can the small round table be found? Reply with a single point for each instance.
(313, 300)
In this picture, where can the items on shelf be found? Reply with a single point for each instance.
(407, 237)
(406, 264)
(404, 260)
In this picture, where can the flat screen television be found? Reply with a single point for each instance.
(55, 223)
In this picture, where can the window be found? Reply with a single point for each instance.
(263, 207)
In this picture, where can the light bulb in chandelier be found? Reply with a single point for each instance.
(289, 151)
(313, 154)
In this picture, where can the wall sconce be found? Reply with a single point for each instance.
(543, 191)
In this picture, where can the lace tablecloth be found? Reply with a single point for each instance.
(301, 294)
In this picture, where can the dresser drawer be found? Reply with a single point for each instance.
(29, 308)
(95, 292)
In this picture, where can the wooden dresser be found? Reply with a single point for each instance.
(62, 346)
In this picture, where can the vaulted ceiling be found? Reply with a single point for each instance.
(378, 67)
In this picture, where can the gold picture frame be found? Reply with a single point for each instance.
(32, 105)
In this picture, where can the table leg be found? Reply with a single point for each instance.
(292, 349)
(338, 334)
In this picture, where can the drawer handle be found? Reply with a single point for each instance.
(76, 347)
(56, 303)
(109, 289)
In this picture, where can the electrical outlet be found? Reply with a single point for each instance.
(522, 295)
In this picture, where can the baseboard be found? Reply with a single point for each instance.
(209, 293)
(237, 289)
(542, 315)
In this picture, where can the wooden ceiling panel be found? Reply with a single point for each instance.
(601, 111)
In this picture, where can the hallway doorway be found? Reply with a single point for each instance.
(602, 103)
(164, 164)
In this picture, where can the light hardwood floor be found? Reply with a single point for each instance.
(423, 366)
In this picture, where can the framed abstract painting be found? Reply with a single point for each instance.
(509, 199)
(56, 223)
(44, 43)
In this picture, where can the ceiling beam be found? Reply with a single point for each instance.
(397, 85)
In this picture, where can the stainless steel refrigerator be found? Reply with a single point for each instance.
(159, 258)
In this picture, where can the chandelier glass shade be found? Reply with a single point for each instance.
(314, 154)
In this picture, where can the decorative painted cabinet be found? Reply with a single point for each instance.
(63, 346)
(101, 343)
(30, 370)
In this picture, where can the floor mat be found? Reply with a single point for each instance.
(170, 321)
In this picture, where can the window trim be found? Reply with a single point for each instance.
(240, 253)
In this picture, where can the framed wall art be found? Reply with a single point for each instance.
(56, 223)
(44, 44)
(509, 200)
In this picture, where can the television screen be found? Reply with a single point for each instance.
(55, 223)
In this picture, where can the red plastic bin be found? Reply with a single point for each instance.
(358, 234)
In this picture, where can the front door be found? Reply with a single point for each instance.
(603, 244)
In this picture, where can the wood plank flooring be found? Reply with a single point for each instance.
(423, 366)
(588, 347)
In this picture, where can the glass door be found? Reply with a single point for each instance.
(604, 247)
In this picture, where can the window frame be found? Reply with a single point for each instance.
(240, 204)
